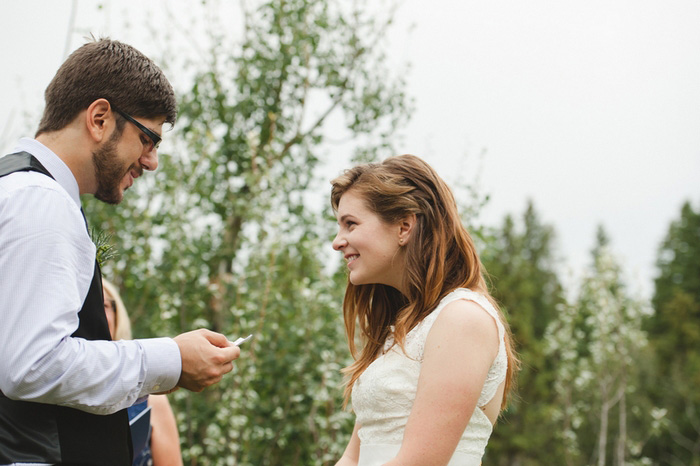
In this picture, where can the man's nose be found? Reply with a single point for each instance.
(149, 160)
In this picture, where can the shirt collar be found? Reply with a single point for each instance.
(53, 163)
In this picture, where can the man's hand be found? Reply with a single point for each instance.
(206, 357)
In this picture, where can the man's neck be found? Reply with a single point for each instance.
(70, 146)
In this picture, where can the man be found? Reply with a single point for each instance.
(64, 385)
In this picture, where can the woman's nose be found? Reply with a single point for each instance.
(339, 243)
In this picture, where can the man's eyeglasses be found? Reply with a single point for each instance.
(155, 139)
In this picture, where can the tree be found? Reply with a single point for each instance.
(674, 332)
(598, 345)
(231, 234)
(521, 263)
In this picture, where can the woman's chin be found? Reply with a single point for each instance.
(355, 279)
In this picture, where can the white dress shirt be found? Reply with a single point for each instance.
(47, 261)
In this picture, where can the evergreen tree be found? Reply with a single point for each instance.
(522, 267)
(675, 335)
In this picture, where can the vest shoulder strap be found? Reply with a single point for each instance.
(21, 162)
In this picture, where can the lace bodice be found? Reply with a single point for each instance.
(383, 396)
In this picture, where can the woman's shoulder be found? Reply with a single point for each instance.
(466, 316)
(466, 327)
(463, 299)
(464, 308)
(466, 294)
(469, 299)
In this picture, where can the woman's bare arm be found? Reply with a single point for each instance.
(459, 351)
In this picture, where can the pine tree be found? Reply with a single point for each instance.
(675, 335)
(522, 267)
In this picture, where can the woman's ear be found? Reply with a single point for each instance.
(406, 227)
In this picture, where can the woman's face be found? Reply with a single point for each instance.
(110, 311)
(370, 246)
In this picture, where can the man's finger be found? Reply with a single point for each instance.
(217, 339)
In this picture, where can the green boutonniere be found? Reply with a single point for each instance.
(105, 249)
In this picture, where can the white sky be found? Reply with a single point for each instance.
(591, 108)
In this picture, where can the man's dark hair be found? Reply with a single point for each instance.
(112, 70)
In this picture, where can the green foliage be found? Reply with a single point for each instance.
(282, 402)
(677, 293)
(522, 266)
(674, 332)
(599, 346)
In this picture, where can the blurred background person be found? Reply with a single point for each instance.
(162, 447)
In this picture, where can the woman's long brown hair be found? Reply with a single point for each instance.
(440, 257)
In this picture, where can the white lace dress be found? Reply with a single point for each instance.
(383, 396)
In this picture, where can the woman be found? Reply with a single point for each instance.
(164, 446)
(436, 362)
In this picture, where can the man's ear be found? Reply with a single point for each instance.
(99, 118)
(406, 227)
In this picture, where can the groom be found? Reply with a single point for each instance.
(64, 386)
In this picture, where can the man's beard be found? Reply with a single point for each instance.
(109, 172)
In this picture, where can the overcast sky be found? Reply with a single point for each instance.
(590, 108)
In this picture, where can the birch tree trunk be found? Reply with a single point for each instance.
(603, 435)
(622, 427)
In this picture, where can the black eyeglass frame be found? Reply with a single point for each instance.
(151, 135)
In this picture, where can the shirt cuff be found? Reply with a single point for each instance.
(163, 364)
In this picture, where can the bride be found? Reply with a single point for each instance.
(436, 361)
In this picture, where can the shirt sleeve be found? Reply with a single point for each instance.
(46, 266)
